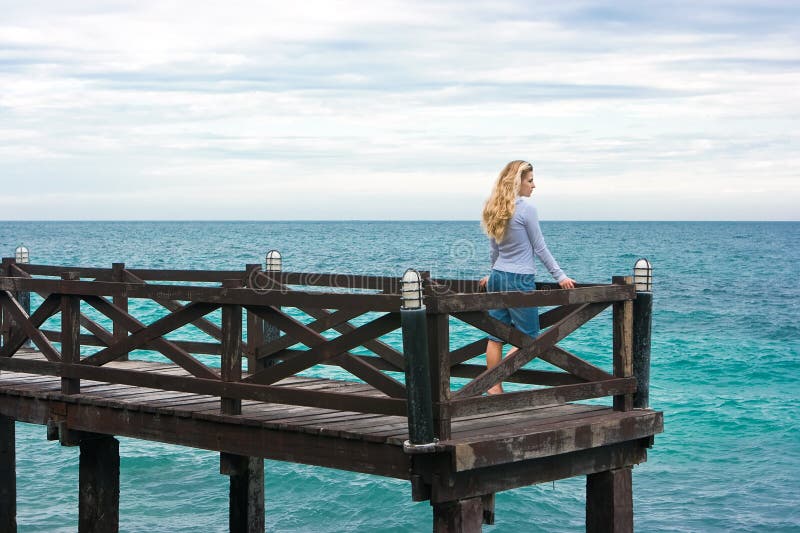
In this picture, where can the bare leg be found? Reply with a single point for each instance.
(494, 353)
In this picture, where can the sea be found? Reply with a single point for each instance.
(725, 371)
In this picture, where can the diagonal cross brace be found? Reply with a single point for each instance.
(204, 325)
(323, 349)
(528, 349)
(47, 309)
(169, 349)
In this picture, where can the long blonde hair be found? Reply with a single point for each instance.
(499, 208)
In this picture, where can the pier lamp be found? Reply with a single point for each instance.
(274, 261)
(642, 322)
(22, 254)
(411, 290)
(413, 321)
(643, 275)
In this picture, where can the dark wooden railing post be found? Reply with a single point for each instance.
(231, 349)
(255, 326)
(439, 353)
(246, 496)
(121, 301)
(22, 256)
(6, 324)
(70, 339)
(8, 475)
(623, 343)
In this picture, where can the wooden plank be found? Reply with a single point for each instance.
(523, 375)
(623, 344)
(12, 307)
(119, 332)
(231, 354)
(438, 353)
(454, 485)
(327, 322)
(285, 395)
(530, 349)
(562, 438)
(459, 516)
(468, 351)
(243, 296)
(549, 396)
(167, 348)
(460, 303)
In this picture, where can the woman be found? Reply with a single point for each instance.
(512, 224)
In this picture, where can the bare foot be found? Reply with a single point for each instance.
(497, 389)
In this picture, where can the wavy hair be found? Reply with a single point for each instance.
(499, 208)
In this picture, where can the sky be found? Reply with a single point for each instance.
(338, 110)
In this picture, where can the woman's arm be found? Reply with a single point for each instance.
(531, 219)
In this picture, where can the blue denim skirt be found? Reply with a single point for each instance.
(525, 319)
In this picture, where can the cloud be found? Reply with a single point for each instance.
(337, 109)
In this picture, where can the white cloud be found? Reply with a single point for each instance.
(336, 109)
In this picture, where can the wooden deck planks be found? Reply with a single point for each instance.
(479, 433)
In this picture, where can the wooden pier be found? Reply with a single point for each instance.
(244, 393)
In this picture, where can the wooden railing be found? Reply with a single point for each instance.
(258, 325)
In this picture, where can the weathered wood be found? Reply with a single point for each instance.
(559, 438)
(328, 321)
(273, 394)
(167, 348)
(246, 495)
(70, 342)
(98, 501)
(439, 352)
(120, 302)
(530, 349)
(449, 486)
(231, 357)
(15, 311)
(460, 516)
(47, 309)
(243, 296)
(202, 324)
(8, 475)
(460, 303)
(609, 501)
(642, 319)
(553, 355)
(623, 343)
(550, 396)
(488, 508)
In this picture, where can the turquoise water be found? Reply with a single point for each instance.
(725, 372)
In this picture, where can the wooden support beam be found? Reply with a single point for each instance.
(231, 353)
(246, 492)
(98, 501)
(623, 343)
(70, 330)
(609, 501)
(460, 516)
(121, 302)
(8, 475)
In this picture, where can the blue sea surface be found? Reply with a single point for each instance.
(725, 371)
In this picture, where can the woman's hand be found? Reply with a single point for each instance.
(483, 282)
(567, 283)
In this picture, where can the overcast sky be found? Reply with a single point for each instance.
(670, 110)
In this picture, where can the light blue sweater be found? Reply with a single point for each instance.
(523, 240)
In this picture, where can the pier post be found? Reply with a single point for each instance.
(418, 375)
(273, 263)
(642, 320)
(8, 475)
(623, 343)
(98, 500)
(22, 256)
(246, 496)
(460, 516)
(255, 327)
(609, 501)
(6, 322)
(119, 331)
(70, 340)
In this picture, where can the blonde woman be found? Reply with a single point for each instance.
(512, 223)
